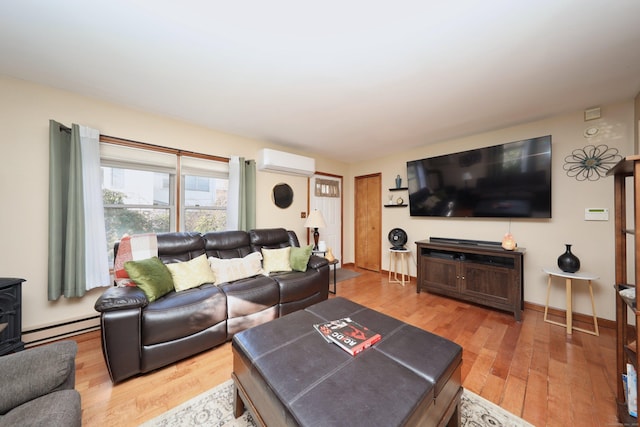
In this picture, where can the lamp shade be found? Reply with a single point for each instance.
(315, 220)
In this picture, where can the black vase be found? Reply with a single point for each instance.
(568, 262)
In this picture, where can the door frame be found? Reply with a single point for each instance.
(309, 189)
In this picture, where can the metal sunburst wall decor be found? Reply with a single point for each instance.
(591, 162)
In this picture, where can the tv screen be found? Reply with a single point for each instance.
(507, 180)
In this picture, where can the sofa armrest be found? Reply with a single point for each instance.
(35, 372)
(121, 298)
(317, 262)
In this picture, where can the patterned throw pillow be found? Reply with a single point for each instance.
(299, 257)
(134, 248)
(150, 275)
(276, 259)
(192, 273)
(228, 270)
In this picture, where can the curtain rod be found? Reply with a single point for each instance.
(145, 145)
(131, 143)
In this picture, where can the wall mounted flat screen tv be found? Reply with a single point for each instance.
(510, 180)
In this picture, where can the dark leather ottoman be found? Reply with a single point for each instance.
(286, 374)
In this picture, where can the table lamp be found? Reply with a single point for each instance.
(315, 220)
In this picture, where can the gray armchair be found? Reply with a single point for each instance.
(37, 387)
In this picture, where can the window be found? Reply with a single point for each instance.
(197, 183)
(205, 210)
(140, 205)
(143, 193)
(327, 188)
(204, 194)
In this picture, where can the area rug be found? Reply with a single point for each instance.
(345, 274)
(215, 408)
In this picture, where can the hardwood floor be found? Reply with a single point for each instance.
(530, 368)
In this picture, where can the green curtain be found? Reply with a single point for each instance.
(66, 213)
(247, 197)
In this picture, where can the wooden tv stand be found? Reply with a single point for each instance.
(481, 274)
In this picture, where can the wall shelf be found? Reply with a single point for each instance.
(396, 206)
(399, 189)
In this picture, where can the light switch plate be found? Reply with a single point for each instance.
(596, 214)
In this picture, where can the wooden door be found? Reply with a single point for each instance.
(368, 221)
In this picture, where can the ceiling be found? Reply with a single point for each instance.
(351, 80)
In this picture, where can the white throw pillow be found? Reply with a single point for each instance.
(228, 270)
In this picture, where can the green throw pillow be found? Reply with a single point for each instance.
(299, 257)
(151, 275)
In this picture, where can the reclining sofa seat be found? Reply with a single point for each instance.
(294, 290)
(138, 336)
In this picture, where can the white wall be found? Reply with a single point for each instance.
(593, 242)
(25, 110)
(270, 215)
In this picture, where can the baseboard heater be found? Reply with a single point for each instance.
(60, 331)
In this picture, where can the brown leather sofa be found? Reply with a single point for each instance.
(139, 336)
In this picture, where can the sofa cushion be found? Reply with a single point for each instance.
(60, 408)
(250, 302)
(295, 285)
(299, 257)
(118, 298)
(276, 259)
(189, 274)
(150, 275)
(180, 314)
(176, 247)
(229, 270)
(20, 385)
(247, 296)
(227, 244)
(271, 238)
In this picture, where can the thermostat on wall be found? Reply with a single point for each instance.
(596, 214)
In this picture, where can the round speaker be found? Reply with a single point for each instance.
(398, 238)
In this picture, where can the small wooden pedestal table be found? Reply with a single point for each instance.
(395, 256)
(569, 277)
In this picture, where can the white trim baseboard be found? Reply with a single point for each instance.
(59, 331)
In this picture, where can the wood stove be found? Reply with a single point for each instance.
(10, 315)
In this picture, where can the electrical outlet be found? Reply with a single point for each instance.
(303, 214)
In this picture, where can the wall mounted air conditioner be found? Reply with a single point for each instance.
(280, 162)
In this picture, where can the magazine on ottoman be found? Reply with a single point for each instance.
(351, 336)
